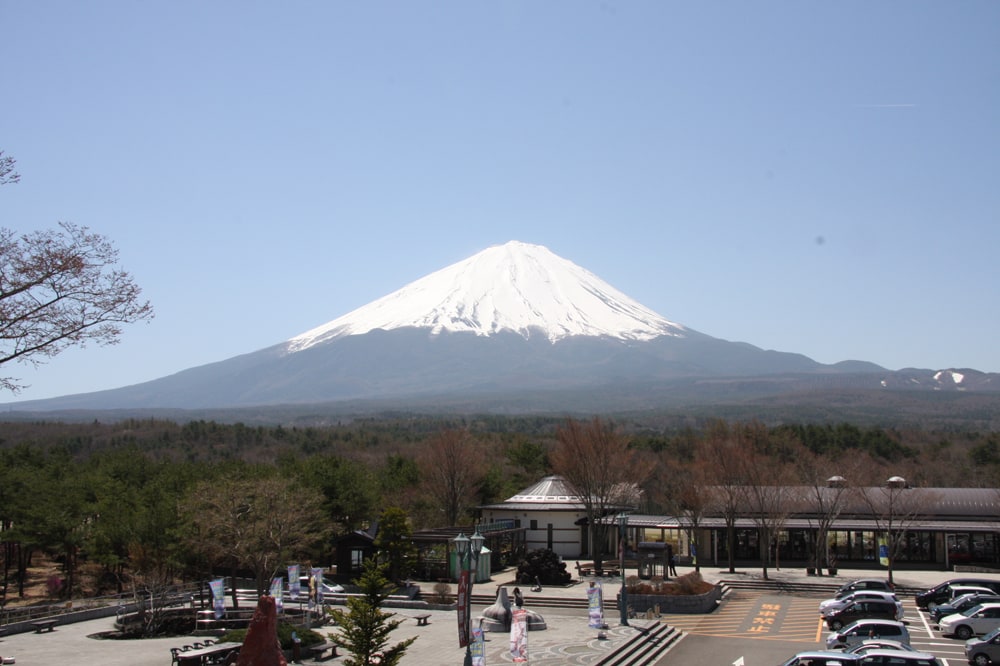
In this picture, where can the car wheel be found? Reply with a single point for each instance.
(981, 660)
(963, 632)
(836, 625)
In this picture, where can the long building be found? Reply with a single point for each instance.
(932, 528)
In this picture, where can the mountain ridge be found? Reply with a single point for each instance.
(513, 318)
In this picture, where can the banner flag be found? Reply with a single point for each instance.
(462, 599)
(883, 553)
(519, 636)
(316, 585)
(595, 606)
(294, 587)
(218, 587)
(478, 648)
(276, 584)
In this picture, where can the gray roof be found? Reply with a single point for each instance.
(552, 493)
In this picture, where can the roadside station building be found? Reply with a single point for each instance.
(939, 528)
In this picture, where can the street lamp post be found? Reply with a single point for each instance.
(622, 530)
(468, 550)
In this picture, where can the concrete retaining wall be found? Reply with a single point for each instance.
(676, 603)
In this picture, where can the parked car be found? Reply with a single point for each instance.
(984, 651)
(864, 608)
(941, 593)
(822, 658)
(898, 658)
(837, 603)
(329, 587)
(864, 584)
(981, 619)
(858, 631)
(870, 644)
(959, 604)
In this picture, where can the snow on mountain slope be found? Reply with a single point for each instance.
(515, 287)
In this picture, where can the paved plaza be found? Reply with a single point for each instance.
(567, 640)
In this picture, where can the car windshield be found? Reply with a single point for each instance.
(969, 612)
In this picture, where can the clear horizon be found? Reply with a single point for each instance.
(810, 178)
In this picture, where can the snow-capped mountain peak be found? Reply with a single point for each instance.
(515, 287)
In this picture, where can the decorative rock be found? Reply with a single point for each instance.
(261, 648)
(497, 616)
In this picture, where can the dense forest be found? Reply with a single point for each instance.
(147, 500)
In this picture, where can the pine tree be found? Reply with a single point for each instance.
(365, 627)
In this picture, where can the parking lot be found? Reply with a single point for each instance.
(767, 627)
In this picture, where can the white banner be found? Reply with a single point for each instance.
(519, 636)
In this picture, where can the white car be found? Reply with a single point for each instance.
(328, 587)
(975, 621)
(858, 595)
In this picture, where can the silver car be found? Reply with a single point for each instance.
(897, 658)
(858, 631)
(980, 619)
(837, 603)
(984, 651)
(822, 658)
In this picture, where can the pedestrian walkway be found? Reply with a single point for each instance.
(568, 640)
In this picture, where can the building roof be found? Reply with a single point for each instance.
(552, 493)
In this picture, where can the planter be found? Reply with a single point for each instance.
(832, 571)
(810, 571)
(676, 603)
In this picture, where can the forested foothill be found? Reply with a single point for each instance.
(136, 504)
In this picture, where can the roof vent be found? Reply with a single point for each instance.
(896, 482)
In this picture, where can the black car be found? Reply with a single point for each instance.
(960, 604)
(880, 584)
(941, 593)
(862, 610)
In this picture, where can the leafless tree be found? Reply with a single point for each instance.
(720, 451)
(827, 492)
(452, 467)
(767, 493)
(895, 507)
(259, 524)
(596, 461)
(58, 289)
(7, 173)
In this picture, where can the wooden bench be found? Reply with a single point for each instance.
(422, 619)
(317, 651)
(44, 625)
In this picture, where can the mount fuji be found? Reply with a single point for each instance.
(514, 324)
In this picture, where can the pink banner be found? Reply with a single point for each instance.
(463, 608)
(519, 636)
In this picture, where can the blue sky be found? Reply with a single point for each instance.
(811, 177)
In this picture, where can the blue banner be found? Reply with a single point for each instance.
(595, 606)
(316, 585)
(276, 584)
(478, 647)
(218, 587)
(294, 587)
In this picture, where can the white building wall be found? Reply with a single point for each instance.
(565, 533)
